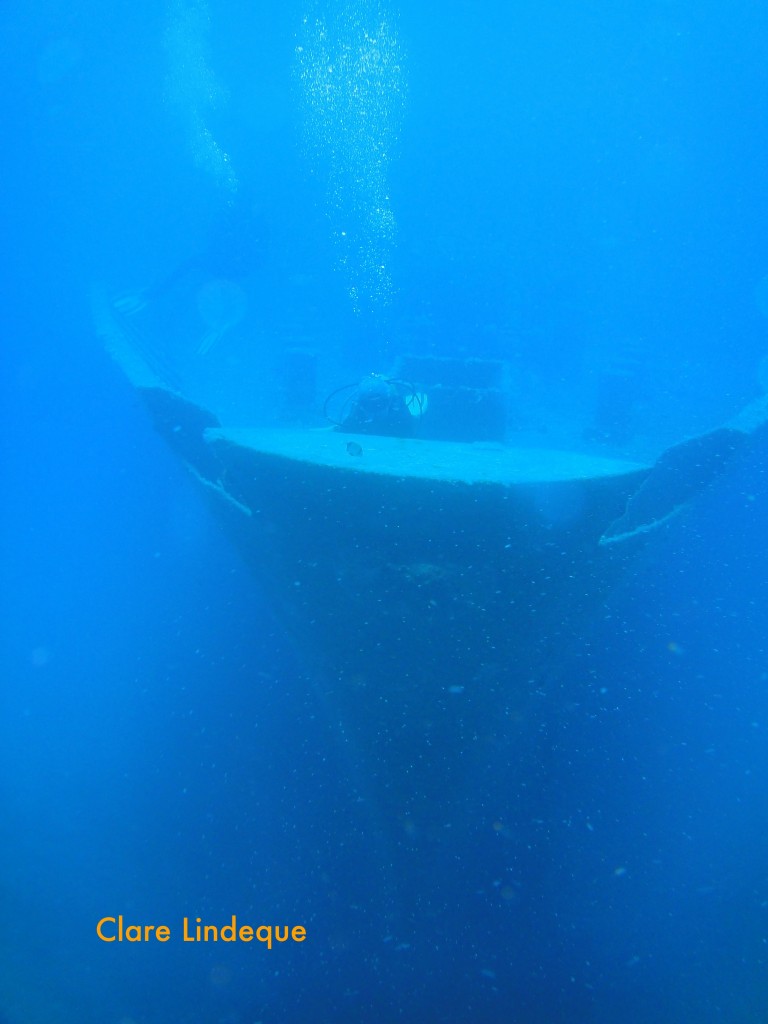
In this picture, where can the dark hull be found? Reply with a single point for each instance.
(432, 600)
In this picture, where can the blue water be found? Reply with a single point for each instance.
(578, 189)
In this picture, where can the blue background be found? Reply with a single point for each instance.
(577, 186)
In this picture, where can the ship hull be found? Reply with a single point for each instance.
(433, 588)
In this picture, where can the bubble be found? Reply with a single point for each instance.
(192, 89)
(350, 69)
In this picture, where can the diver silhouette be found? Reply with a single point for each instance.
(214, 277)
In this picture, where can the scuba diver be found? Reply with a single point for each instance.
(379, 405)
(214, 279)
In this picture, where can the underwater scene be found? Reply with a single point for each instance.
(384, 577)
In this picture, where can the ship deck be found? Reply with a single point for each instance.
(444, 461)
